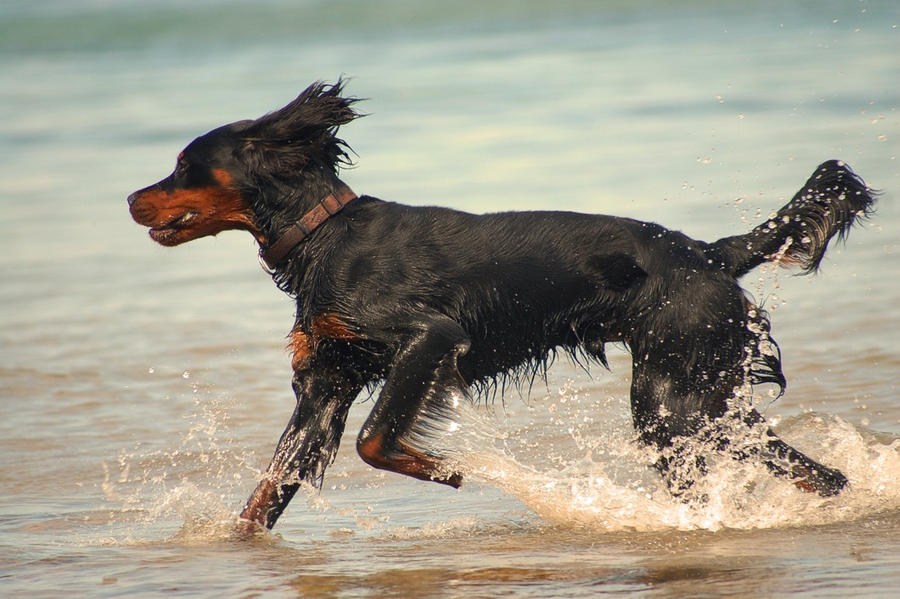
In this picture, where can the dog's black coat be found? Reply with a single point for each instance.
(432, 301)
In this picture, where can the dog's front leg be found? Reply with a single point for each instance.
(417, 400)
(308, 444)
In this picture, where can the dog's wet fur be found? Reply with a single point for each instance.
(438, 304)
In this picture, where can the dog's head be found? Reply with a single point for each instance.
(256, 175)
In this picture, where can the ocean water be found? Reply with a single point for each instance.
(142, 388)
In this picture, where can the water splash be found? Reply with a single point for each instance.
(576, 475)
(193, 494)
(570, 456)
(187, 494)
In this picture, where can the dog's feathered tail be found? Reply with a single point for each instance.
(830, 203)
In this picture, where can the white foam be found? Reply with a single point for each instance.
(604, 481)
(571, 458)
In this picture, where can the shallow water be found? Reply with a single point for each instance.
(142, 389)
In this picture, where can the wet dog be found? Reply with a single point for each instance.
(433, 303)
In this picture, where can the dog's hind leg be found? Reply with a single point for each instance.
(666, 419)
(785, 461)
(420, 390)
(668, 415)
(688, 361)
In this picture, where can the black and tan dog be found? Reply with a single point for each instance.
(432, 301)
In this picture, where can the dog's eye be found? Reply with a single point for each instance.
(181, 166)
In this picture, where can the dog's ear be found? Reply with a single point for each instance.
(304, 132)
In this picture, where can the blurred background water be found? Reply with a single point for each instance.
(142, 389)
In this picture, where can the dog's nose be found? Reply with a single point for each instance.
(132, 199)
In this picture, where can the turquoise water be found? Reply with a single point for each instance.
(143, 388)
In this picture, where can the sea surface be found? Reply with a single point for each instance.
(142, 388)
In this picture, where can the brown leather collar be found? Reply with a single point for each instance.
(327, 207)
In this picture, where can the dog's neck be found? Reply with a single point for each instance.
(275, 253)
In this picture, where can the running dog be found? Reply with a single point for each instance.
(434, 304)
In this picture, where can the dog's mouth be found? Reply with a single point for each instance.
(166, 232)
